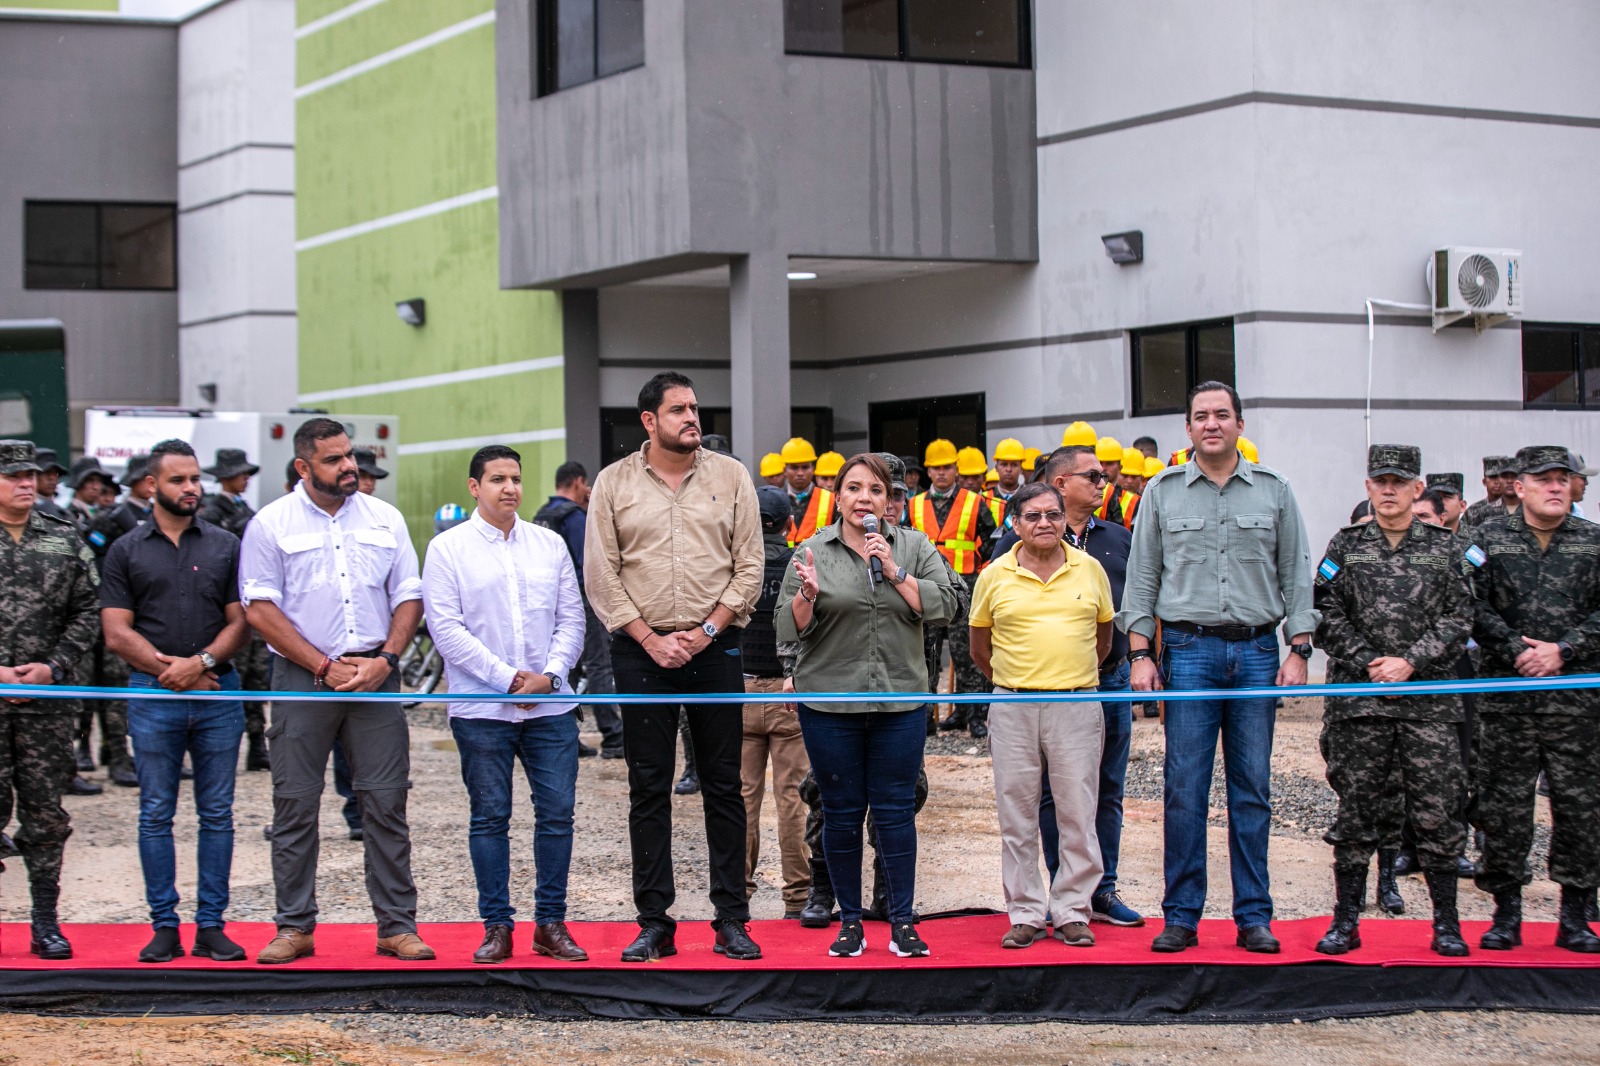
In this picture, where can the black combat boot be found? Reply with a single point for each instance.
(1389, 899)
(878, 909)
(47, 941)
(818, 911)
(1442, 886)
(256, 757)
(1350, 891)
(1572, 931)
(1505, 932)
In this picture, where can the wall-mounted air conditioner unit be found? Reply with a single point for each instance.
(1484, 284)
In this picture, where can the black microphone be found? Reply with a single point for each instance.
(870, 524)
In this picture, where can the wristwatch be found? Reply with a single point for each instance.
(207, 660)
(899, 577)
(1302, 650)
(391, 658)
(710, 630)
(1568, 652)
(555, 682)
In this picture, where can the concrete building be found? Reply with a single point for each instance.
(1283, 164)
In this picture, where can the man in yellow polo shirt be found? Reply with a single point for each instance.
(1041, 622)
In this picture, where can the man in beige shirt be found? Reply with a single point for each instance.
(673, 565)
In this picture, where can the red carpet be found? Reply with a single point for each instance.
(957, 943)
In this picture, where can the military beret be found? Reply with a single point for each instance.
(1537, 458)
(18, 457)
(1402, 460)
(1456, 483)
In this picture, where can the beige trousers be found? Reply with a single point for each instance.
(1026, 740)
(773, 730)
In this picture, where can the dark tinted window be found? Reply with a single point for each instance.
(907, 427)
(992, 32)
(1560, 365)
(581, 40)
(1168, 362)
(100, 246)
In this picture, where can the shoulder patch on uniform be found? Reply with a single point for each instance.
(1475, 556)
(1328, 570)
(97, 538)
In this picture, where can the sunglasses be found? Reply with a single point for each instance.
(1035, 517)
(1093, 477)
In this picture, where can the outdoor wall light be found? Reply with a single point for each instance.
(412, 312)
(208, 392)
(802, 275)
(1125, 248)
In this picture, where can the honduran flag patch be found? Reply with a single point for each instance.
(1328, 570)
(1475, 556)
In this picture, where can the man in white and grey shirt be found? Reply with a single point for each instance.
(329, 578)
(505, 612)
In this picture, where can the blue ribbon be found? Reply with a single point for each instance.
(1501, 685)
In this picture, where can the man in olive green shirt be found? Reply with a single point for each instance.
(1219, 556)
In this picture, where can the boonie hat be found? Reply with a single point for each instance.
(231, 462)
(48, 460)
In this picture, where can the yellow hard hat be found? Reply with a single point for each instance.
(1030, 458)
(1248, 449)
(1108, 450)
(829, 464)
(797, 450)
(1010, 450)
(771, 464)
(971, 463)
(992, 477)
(1153, 466)
(1080, 434)
(940, 453)
(1133, 462)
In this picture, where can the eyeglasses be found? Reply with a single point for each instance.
(1093, 477)
(1035, 517)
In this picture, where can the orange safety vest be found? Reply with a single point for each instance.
(957, 539)
(997, 507)
(1179, 457)
(1127, 503)
(819, 513)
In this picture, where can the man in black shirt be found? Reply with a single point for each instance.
(169, 606)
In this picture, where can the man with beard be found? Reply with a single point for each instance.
(329, 577)
(169, 606)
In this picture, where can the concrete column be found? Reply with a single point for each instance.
(758, 313)
(580, 373)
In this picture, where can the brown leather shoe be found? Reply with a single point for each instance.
(1021, 936)
(407, 947)
(1075, 935)
(288, 945)
(552, 939)
(496, 946)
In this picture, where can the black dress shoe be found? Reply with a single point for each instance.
(733, 941)
(124, 776)
(1259, 939)
(585, 751)
(48, 943)
(8, 848)
(85, 761)
(80, 787)
(163, 947)
(212, 943)
(611, 753)
(687, 785)
(1173, 939)
(978, 730)
(651, 944)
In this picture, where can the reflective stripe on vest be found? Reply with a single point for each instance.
(961, 551)
(1127, 505)
(819, 513)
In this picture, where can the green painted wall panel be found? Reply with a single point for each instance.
(516, 403)
(349, 334)
(427, 481)
(310, 10)
(408, 134)
(377, 30)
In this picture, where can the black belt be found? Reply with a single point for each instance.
(373, 654)
(1222, 632)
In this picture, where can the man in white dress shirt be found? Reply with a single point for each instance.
(329, 578)
(505, 612)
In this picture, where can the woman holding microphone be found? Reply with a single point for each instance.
(855, 601)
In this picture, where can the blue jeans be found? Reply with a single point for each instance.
(162, 731)
(1192, 727)
(548, 748)
(1113, 775)
(864, 761)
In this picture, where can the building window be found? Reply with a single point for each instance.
(985, 32)
(907, 427)
(1169, 361)
(582, 40)
(1560, 366)
(99, 246)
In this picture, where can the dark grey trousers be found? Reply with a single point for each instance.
(378, 745)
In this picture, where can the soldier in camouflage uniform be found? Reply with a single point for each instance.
(1395, 607)
(49, 619)
(230, 510)
(1499, 472)
(1537, 582)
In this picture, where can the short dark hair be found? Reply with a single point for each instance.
(1362, 510)
(1434, 499)
(1032, 491)
(1146, 440)
(1060, 459)
(1213, 386)
(569, 472)
(488, 454)
(311, 432)
(163, 449)
(655, 390)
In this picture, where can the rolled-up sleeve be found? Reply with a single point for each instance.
(566, 643)
(1138, 613)
(935, 585)
(260, 566)
(1294, 568)
(749, 564)
(602, 560)
(447, 626)
(405, 582)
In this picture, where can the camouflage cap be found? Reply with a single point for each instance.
(1456, 483)
(1401, 460)
(49, 460)
(136, 469)
(897, 472)
(1537, 458)
(18, 457)
(1498, 465)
